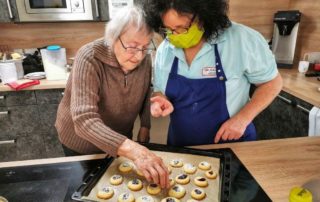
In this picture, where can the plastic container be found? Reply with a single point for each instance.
(54, 62)
(11, 70)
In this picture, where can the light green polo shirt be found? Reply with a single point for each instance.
(245, 56)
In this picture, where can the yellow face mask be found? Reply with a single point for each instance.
(187, 40)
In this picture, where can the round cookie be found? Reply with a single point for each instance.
(170, 199)
(153, 189)
(201, 181)
(169, 169)
(177, 191)
(182, 179)
(145, 198)
(171, 182)
(135, 185)
(176, 163)
(105, 193)
(211, 174)
(204, 165)
(198, 194)
(189, 168)
(125, 167)
(139, 173)
(126, 197)
(116, 179)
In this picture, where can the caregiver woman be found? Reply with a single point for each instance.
(203, 72)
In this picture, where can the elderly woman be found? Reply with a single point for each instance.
(109, 86)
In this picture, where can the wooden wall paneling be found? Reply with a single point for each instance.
(309, 30)
(256, 14)
(34, 35)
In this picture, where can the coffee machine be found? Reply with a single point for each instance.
(285, 32)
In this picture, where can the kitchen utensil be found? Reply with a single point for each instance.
(11, 71)
(303, 66)
(54, 62)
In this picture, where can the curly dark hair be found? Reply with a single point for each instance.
(211, 13)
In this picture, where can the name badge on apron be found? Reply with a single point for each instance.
(209, 72)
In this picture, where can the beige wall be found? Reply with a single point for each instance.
(256, 14)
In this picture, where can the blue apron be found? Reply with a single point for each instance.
(199, 107)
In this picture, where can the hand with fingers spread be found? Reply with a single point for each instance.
(152, 166)
(232, 129)
(160, 106)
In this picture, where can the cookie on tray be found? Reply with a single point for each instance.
(116, 179)
(126, 197)
(200, 181)
(145, 198)
(135, 185)
(170, 199)
(125, 167)
(211, 174)
(105, 193)
(176, 163)
(153, 189)
(204, 165)
(182, 179)
(177, 191)
(198, 194)
(189, 168)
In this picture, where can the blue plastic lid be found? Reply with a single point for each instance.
(53, 48)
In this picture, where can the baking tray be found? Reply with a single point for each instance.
(224, 156)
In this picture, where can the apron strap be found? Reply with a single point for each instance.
(174, 66)
(220, 72)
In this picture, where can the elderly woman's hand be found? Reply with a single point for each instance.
(160, 106)
(146, 162)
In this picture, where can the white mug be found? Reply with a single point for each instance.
(8, 72)
(303, 66)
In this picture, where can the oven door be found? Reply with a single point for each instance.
(47, 6)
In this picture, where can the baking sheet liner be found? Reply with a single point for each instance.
(212, 190)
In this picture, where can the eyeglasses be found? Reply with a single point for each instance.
(179, 30)
(135, 50)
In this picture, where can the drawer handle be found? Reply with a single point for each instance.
(7, 141)
(2, 97)
(62, 93)
(9, 9)
(4, 113)
(293, 104)
(97, 10)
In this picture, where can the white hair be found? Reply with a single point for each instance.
(123, 19)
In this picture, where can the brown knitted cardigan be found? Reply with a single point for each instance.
(101, 102)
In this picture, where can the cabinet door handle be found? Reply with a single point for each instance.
(4, 113)
(303, 109)
(9, 9)
(62, 93)
(7, 141)
(293, 103)
(97, 10)
(2, 97)
(285, 99)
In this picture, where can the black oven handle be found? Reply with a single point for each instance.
(9, 9)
